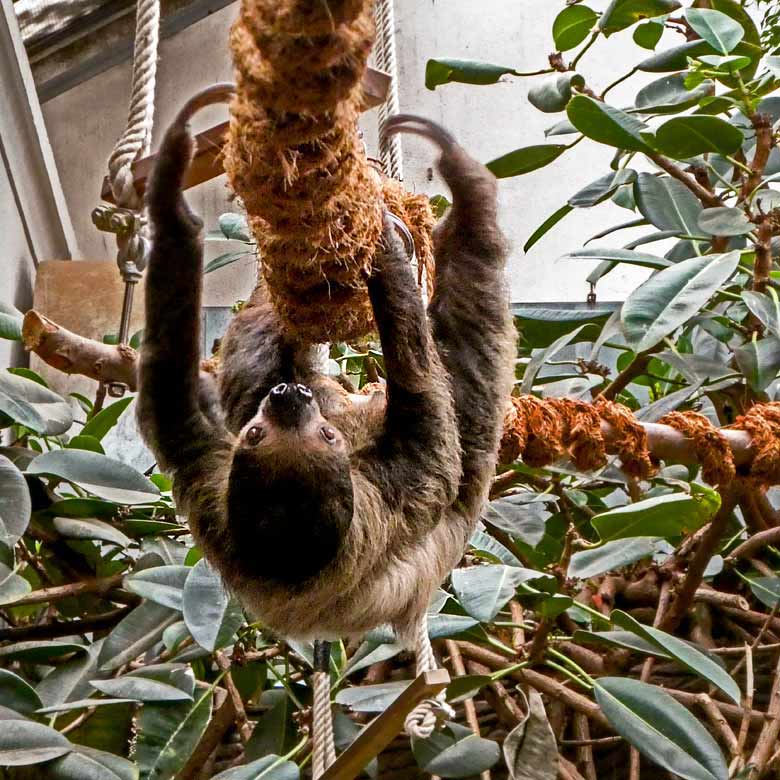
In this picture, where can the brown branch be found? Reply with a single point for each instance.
(748, 548)
(762, 123)
(732, 713)
(73, 354)
(546, 685)
(708, 200)
(222, 719)
(59, 592)
(242, 722)
(698, 565)
(767, 740)
(719, 723)
(64, 628)
(633, 370)
(763, 264)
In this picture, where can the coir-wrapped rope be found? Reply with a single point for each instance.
(762, 422)
(712, 449)
(295, 157)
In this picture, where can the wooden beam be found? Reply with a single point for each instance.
(386, 727)
(207, 162)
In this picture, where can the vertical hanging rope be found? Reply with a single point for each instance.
(135, 140)
(421, 722)
(386, 60)
(324, 749)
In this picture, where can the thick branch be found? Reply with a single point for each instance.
(763, 263)
(73, 354)
(755, 543)
(698, 565)
(764, 142)
(708, 200)
(46, 595)
(65, 627)
(634, 369)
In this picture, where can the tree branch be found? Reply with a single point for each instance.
(60, 628)
(708, 199)
(73, 354)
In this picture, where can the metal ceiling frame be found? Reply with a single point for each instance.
(123, 52)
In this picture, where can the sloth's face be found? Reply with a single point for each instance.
(290, 487)
(289, 420)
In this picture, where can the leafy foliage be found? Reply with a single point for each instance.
(124, 657)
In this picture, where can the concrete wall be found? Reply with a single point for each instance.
(34, 223)
(84, 122)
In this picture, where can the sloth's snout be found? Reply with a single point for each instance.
(288, 404)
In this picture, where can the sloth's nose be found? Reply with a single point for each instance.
(290, 392)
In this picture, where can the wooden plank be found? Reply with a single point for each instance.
(386, 727)
(207, 162)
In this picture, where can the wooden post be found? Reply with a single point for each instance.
(386, 727)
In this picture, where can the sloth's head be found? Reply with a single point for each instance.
(291, 478)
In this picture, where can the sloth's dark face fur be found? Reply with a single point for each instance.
(290, 482)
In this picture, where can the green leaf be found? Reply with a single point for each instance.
(546, 226)
(12, 586)
(724, 221)
(688, 136)
(135, 634)
(86, 763)
(211, 614)
(618, 256)
(89, 443)
(275, 732)
(455, 751)
(676, 58)
(442, 625)
(553, 93)
(23, 743)
(624, 639)
(530, 749)
(660, 728)
(99, 425)
(168, 734)
(69, 681)
(607, 125)
(572, 26)
(648, 35)
(525, 160)
(611, 556)
(623, 13)
(80, 528)
(438, 72)
(669, 298)
(719, 30)
(669, 95)
(371, 698)
(162, 584)
(598, 191)
(104, 477)
(15, 504)
(484, 590)
(485, 546)
(10, 322)
(267, 768)
(42, 651)
(140, 689)
(82, 704)
(543, 355)
(223, 260)
(682, 652)
(235, 227)
(466, 687)
(33, 405)
(766, 590)
(666, 516)
(759, 362)
(667, 203)
(766, 308)
(17, 694)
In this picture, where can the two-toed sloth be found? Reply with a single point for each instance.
(327, 514)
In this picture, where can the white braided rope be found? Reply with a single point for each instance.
(422, 721)
(324, 748)
(135, 140)
(386, 60)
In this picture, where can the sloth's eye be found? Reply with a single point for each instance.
(328, 434)
(254, 436)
